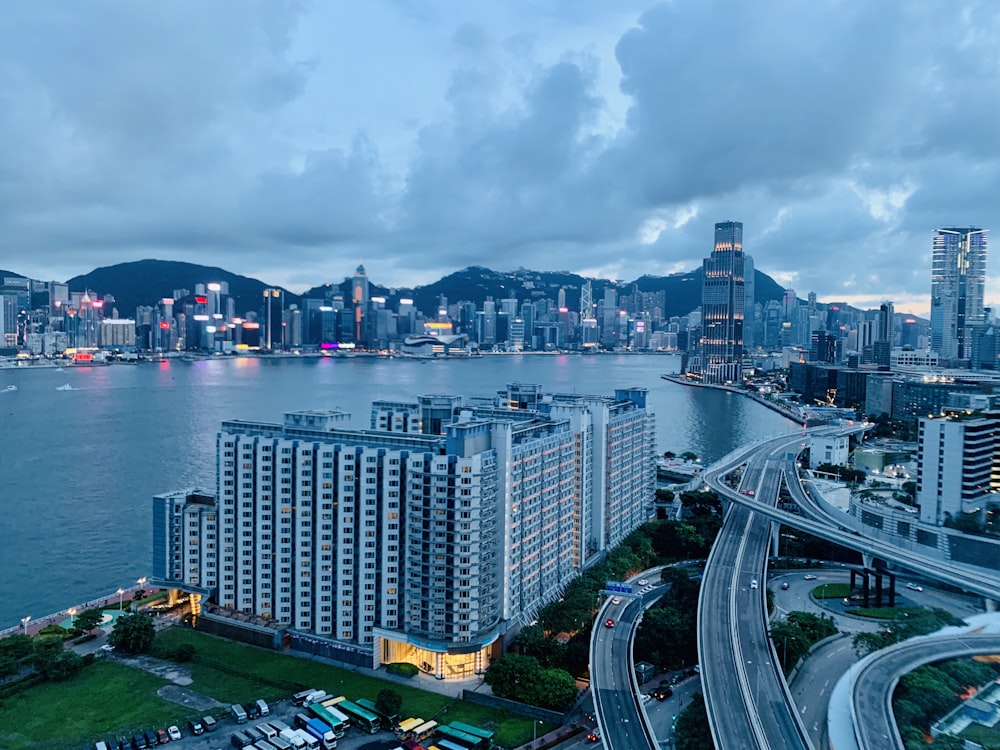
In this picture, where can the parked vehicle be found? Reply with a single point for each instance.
(238, 713)
(253, 734)
(174, 732)
(139, 741)
(151, 740)
(209, 723)
(262, 707)
(253, 711)
(239, 740)
(300, 697)
(267, 730)
(281, 743)
(321, 732)
(196, 727)
(317, 696)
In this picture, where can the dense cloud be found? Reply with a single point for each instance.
(288, 140)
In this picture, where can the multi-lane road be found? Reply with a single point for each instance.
(746, 696)
(745, 692)
(871, 696)
(617, 702)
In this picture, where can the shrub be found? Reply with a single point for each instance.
(184, 652)
(402, 669)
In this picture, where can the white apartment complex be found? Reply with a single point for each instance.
(957, 463)
(390, 545)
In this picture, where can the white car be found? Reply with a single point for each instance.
(642, 582)
(914, 587)
(753, 583)
(107, 647)
(174, 732)
(616, 600)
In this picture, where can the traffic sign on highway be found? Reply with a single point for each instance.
(618, 587)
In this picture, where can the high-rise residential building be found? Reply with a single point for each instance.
(958, 276)
(957, 462)
(722, 300)
(370, 546)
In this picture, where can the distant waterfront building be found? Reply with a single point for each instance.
(395, 416)
(957, 461)
(958, 276)
(722, 300)
(117, 332)
(372, 546)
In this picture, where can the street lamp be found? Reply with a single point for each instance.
(24, 623)
(120, 593)
(534, 730)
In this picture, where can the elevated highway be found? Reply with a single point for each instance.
(621, 720)
(745, 692)
(733, 697)
(876, 679)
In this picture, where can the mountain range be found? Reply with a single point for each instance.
(145, 282)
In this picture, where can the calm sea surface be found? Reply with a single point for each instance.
(78, 468)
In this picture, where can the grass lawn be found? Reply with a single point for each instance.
(233, 671)
(880, 613)
(108, 698)
(832, 591)
(104, 699)
(988, 737)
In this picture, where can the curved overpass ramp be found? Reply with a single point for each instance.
(876, 678)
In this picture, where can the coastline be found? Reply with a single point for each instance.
(790, 414)
(20, 365)
(32, 625)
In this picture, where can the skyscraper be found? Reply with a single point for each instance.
(958, 275)
(722, 300)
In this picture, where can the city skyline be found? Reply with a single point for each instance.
(293, 141)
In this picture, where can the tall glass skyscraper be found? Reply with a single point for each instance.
(958, 275)
(722, 301)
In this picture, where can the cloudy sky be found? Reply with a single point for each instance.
(289, 140)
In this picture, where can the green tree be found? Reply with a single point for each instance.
(692, 731)
(790, 643)
(866, 643)
(551, 688)
(667, 636)
(578, 652)
(64, 666)
(664, 496)
(88, 620)
(133, 633)
(54, 662)
(549, 652)
(16, 646)
(510, 674)
(389, 702)
(8, 666)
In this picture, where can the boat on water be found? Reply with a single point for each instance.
(66, 387)
(10, 388)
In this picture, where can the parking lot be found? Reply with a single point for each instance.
(285, 711)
